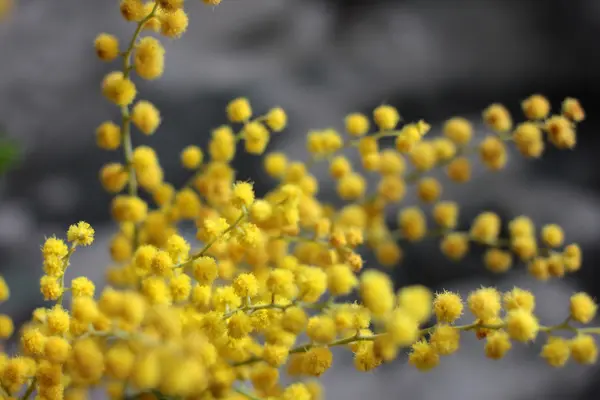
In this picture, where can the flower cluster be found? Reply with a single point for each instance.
(268, 287)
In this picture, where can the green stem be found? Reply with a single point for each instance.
(126, 119)
(208, 245)
(30, 389)
(245, 392)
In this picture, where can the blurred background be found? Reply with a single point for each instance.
(319, 59)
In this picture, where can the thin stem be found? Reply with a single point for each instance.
(208, 245)
(30, 389)
(126, 119)
(245, 392)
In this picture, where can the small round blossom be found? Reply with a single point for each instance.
(174, 24)
(118, 89)
(584, 349)
(81, 234)
(536, 107)
(6, 326)
(445, 339)
(239, 110)
(519, 299)
(148, 58)
(583, 308)
(276, 119)
(243, 194)
(108, 136)
(497, 117)
(246, 285)
(376, 292)
(459, 170)
(552, 235)
(82, 287)
(556, 351)
(497, 345)
(459, 130)
(447, 306)
(424, 356)
(386, 117)
(484, 303)
(191, 157)
(107, 47)
(357, 124)
(572, 109)
(521, 325)
(145, 116)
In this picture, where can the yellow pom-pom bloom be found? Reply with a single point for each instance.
(82, 287)
(317, 360)
(108, 136)
(239, 110)
(376, 291)
(145, 116)
(6, 326)
(276, 119)
(56, 350)
(584, 349)
(556, 351)
(81, 234)
(148, 58)
(341, 280)
(412, 223)
(402, 329)
(275, 164)
(174, 24)
(497, 345)
(242, 194)
(114, 177)
(572, 109)
(459, 130)
(536, 107)
(493, 153)
(455, 245)
(459, 170)
(118, 89)
(486, 227)
(560, 132)
(519, 299)
(484, 303)
(521, 325)
(357, 124)
(107, 47)
(386, 117)
(191, 157)
(552, 235)
(447, 306)
(445, 339)
(58, 320)
(497, 260)
(497, 117)
(445, 214)
(424, 356)
(4, 290)
(132, 10)
(170, 5)
(583, 308)
(417, 301)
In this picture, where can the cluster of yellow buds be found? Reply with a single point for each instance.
(268, 287)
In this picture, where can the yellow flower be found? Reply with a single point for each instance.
(583, 308)
(81, 234)
(107, 47)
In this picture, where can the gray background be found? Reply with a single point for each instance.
(319, 60)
